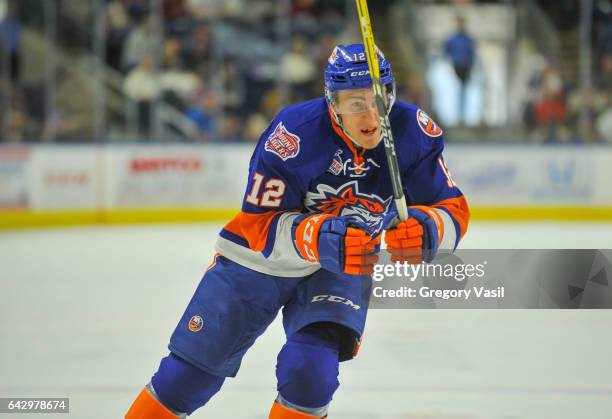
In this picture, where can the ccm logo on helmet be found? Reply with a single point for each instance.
(360, 73)
(335, 299)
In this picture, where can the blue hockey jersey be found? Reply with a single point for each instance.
(304, 162)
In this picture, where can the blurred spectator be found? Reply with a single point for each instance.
(204, 9)
(14, 122)
(171, 53)
(298, 69)
(203, 112)
(603, 75)
(72, 117)
(261, 11)
(35, 104)
(304, 17)
(593, 104)
(142, 87)
(233, 87)
(580, 104)
(602, 28)
(197, 48)
(116, 32)
(17, 122)
(137, 9)
(332, 10)
(304, 8)
(174, 9)
(603, 85)
(550, 106)
(140, 43)
(603, 123)
(461, 49)
(178, 85)
(10, 41)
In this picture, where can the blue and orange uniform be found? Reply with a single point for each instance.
(303, 165)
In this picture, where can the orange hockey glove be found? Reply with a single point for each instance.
(339, 244)
(417, 238)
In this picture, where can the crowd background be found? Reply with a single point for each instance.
(218, 71)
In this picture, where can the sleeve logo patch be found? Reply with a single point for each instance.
(283, 143)
(196, 323)
(428, 125)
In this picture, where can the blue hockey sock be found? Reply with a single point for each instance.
(183, 387)
(307, 367)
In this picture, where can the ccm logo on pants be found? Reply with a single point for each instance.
(335, 299)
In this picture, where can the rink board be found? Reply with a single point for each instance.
(107, 184)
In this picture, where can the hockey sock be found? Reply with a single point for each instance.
(307, 370)
(147, 406)
(281, 412)
(182, 386)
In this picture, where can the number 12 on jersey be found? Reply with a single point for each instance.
(273, 192)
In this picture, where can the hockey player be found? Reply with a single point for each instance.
(318, 198)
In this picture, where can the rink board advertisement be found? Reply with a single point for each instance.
(484, 279)
(176, 176)
(65, 177)
(55, 178)
(532, 175)
(106, 178)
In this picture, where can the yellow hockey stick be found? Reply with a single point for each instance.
(381, 104)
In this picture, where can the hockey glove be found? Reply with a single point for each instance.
(416, 239)
(339, 244)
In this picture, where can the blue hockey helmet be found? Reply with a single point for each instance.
(348, 69)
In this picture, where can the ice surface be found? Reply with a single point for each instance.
(86, 313)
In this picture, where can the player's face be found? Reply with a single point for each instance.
(360, 118)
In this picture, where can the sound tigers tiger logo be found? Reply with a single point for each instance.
(348, 201)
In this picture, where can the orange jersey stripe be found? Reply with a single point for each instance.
(460, 211)
(252, 227)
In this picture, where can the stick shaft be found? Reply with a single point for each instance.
(381, 103)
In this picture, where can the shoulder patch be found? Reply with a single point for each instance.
(283, 143)
(427, 124)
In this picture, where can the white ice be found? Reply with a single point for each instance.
(86, 313)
